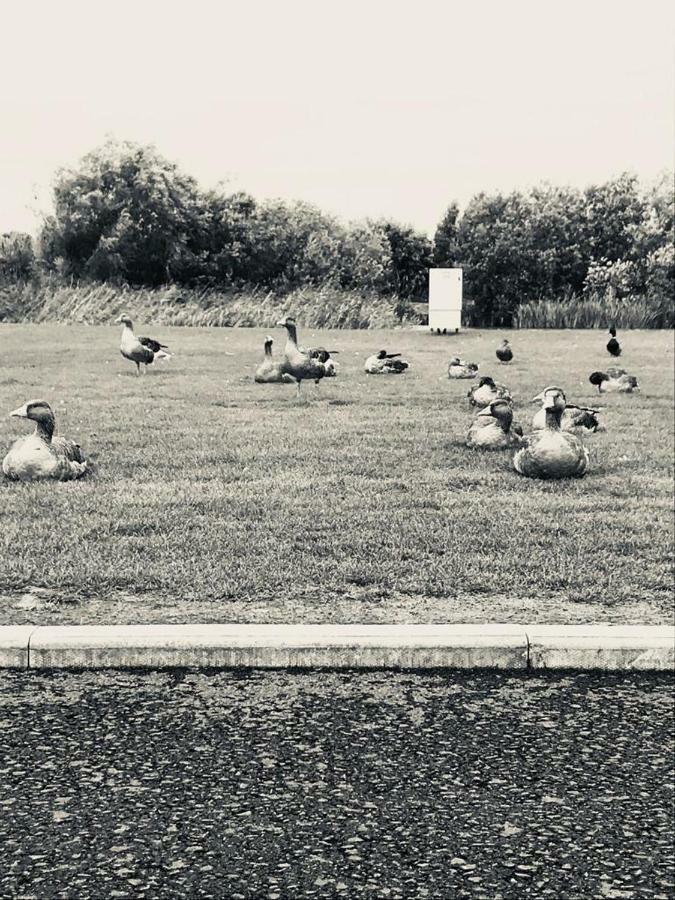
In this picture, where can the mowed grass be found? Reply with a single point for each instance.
(218, 499)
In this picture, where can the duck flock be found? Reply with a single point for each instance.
(553, 449)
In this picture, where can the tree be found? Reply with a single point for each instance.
(127, 213)
(446, 248)
(17, 258)
(411, 259)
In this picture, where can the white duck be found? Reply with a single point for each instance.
(577, 419)
(486, 391)
(40, 455)
(383, 363)
(459, 368)
(140, 349)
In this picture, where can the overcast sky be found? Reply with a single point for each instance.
(364, 108)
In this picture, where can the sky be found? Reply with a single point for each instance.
(362, 107)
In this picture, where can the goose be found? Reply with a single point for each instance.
(493, 428)
(577, 419)
(270, 370)
(613, 346)
(40, 455)
(458, 368)
(486, 391)
(383, 363)
(140, 350)
(324, 356)
(550, 452)
(614, 380)
(504, 353)
(298, 364)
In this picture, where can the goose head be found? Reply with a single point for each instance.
(597, 378)
(124, 320)
(40, 412)
(382, 354)
(612, 331)
(455, 361)
(499, 410)
(505, 343)
(554, 400)
(486, 381)
(541, 396)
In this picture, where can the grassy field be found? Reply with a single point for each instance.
(218, 499)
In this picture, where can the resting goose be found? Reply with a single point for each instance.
(550, 452)
(324, 356)
(298, 364)
(614, 380)
(270, 370)
(493, 429)
(140, 350)
(40, 455)
(613, 346)
(458, 368)
(486, 391)
(577, 419)
(504, 353)
(383, 363)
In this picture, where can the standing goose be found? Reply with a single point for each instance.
(504, 353)
(493, 428)
(298, 364)
(614, 381)
(550, 452)
(577, 419)
(613, 346)
(40, 455)
(270, 370)
(486, 391)
(383, 363)
(140, 350)
(458, 368)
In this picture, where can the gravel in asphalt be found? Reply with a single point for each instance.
(336, 784)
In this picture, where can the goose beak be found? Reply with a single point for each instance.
(21, 412)
(487, 412)
(281, 324)
(538, 399)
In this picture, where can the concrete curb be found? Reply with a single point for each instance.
(495, 646)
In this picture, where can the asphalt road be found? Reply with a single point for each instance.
(293, 785)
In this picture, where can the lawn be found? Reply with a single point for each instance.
(217, 499)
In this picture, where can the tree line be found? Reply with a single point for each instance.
(127, 215)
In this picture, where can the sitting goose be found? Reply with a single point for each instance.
(486, 391)
(504, 353)
(493, 429)
(614, 380)
(550, 452)
(40, 455)
(613, 346)
(383, 363)
(140, 350)
(458, 368)
(270, 370)
(577, 419)
(298, 364)
(324, 356)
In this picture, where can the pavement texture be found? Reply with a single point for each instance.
(253, 784)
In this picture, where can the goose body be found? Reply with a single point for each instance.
(577, 419)
(551, 453)
(493, 429)
(458, 368)
(613, 346)
(383, 363)
(141, 350)
(486, 391)
(504, 353)
(270, 370)
(614, 381)
(40, 456)
(299, 365)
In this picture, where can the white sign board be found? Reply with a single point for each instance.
(445, 299)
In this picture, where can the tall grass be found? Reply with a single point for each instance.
(54, 301)
(595, 311)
